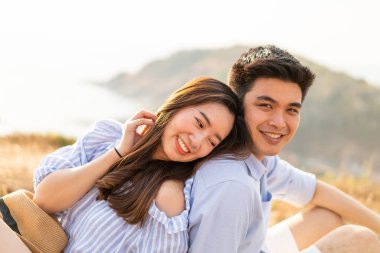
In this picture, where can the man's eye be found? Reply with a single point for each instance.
(265, 105)
(200, 124)
(292, 110)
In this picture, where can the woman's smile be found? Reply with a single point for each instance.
(181, 146)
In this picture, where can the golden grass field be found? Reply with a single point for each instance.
(20, 155)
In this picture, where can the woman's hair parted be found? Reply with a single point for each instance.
(132, 183)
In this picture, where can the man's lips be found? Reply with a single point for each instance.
(272, 135)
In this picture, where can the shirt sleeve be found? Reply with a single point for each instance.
(100, 137)
(288, 183)
(219, 220)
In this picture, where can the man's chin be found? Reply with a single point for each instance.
(273, 153)
(267, 152)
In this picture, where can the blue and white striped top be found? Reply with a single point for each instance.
(92, 226)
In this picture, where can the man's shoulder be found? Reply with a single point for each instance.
(221, 170)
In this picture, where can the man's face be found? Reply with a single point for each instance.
(272, 113)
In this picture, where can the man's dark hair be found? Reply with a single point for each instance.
(269, 62)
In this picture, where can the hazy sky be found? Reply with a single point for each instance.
(90, 39)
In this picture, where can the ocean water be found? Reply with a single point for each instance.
(34, 102)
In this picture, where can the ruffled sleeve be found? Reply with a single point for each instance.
(100, 137)
(177, 223)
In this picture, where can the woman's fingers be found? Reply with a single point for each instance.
(141, 130)
(133, 129)
(139, 122)
(144, 114)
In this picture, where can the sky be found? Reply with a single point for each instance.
(95, 40)
(49, 50)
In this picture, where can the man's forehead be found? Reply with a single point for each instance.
(274, 89)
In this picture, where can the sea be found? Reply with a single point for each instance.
(59, 104)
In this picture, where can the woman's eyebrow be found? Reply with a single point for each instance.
(205, 118)
(209, 123)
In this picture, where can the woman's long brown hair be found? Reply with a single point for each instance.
(132, 183)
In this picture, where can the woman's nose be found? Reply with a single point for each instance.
(196, 140)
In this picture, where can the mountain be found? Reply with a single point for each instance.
(340, 117)
(154, 82)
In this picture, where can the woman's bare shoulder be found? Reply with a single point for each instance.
(170, 198)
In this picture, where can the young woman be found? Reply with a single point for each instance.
(119, 190)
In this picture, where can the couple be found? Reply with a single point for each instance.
(119, 189)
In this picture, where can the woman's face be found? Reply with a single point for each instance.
(194, 132)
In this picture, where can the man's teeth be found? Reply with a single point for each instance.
(272, 135)
(182, 145)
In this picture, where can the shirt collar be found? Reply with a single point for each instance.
(256, 168)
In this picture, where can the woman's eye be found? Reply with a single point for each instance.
(200, 124)
(212, 143)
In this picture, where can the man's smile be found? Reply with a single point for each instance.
(272, 135)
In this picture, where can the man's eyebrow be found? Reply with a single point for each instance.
(296, 104)
(204, 115)
(266, 98)
(269, 99)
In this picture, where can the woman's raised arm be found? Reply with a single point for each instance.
(66, 175)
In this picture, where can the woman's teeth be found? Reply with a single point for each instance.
(182, 145)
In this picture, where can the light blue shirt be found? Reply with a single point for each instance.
(231, 200)
(92, 226)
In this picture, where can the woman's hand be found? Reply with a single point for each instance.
(130, 133)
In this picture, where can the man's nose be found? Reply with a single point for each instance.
(278, 120)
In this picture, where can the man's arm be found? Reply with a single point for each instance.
(220, 219)
(332, 198)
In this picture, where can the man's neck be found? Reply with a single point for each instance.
(259, 157)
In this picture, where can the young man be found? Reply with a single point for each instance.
(231, 199)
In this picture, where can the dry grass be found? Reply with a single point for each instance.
(364, 188)
(20, 155)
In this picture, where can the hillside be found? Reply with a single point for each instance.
(340, 118)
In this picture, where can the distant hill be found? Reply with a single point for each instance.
(340, 118)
